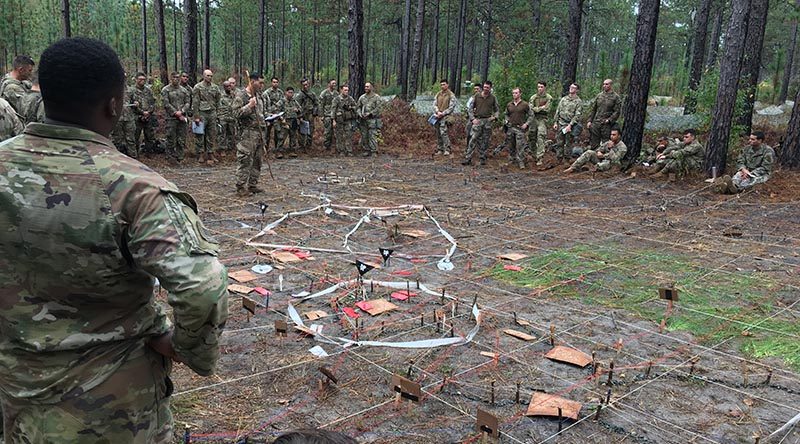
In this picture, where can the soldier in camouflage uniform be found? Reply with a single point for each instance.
(650, 153)
(603, 113)
(226, 117)
(124, 134)
(288, 126)
(144, 107)
(485, 110)
(754, 166)
(368, 109)
(272, 98)
(325, 102)
(343, 114)
(248, 108)
(310, 104)
(469, 114)
(86, 350)
(607, 154)
(206, 98)
(177, 103)
(32, 105)
(14, 86)
(185, 85)
(443, 106)
(540, 107)
(680, 158)
(567, 122)
(10, 125)
(518, 119)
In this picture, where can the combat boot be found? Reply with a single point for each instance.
(201, 158)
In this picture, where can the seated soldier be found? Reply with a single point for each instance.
(682, 157)
(650, 152)
(754, 165)
(606, 155)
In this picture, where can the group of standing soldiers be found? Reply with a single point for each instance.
(262, 115)
(526, 122)
(210, 112)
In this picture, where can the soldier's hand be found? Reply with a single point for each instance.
(333, 122)
(555, 127)
(476, 122)
(163, 346)
(178, 114)
(136, 103)
(196, 120)
(252, 102)
(524, 126)
(146, 114)
(588, 124)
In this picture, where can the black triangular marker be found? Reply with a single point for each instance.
(385, 253)
(363, 268)
(263, 208)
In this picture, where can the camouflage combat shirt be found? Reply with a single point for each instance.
(83, 232)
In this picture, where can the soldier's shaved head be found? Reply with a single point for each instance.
(91, 98)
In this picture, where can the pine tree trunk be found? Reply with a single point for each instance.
(457, 52)
(144, 37)
(413, 72)
(787, 70)
(355, 37)
(635, 109)
(698, 54)
(790, 151)
(573, 45)
(190, 40)
(175, 37)
(162, 41)
(262, 34)
(730, 66)
(65, 22)
(404, 51)
(207, 35)
(435, 49)
(751, 62)
(716, 33)
(536, 17)
(488, 48)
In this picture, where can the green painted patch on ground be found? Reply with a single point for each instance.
(714, 306)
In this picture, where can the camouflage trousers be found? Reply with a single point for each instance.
(536, 137)
(132, 406)
(742, 182)
(288, 135)
(248, 158)
(272, 133)
(469, 131)
(564, 144)
(344, 137)
(442, 138)
(599, 132)
(124, 138)
(676, 166)
(176, 138)
(207, 142)
(518, 138)
(327, 125)
(148, 128)
(590, 156)
(479, 138)
(369, 129)
(307, 139)
(228, 134)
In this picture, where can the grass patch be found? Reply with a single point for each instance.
(713, 306)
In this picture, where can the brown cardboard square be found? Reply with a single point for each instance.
(242, 276)
(487, 423)
(668, 293)
(284, 256)
(241, 289)
(513, 256)
(543, 404)
(378, 306)
(281, 327)
(249, 304)
(569, 355)
(408, 389)
(314, 315)
(518, 334)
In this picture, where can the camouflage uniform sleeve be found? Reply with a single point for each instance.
(450, 109)
(170, 109)
(239, 107)
(531, 120)
(578, 112)
(151, 100)
(617, 107)
(167, 240)
(767, 163)
(14, 93)
(196, 102)
(741, 161)
(618, 152)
